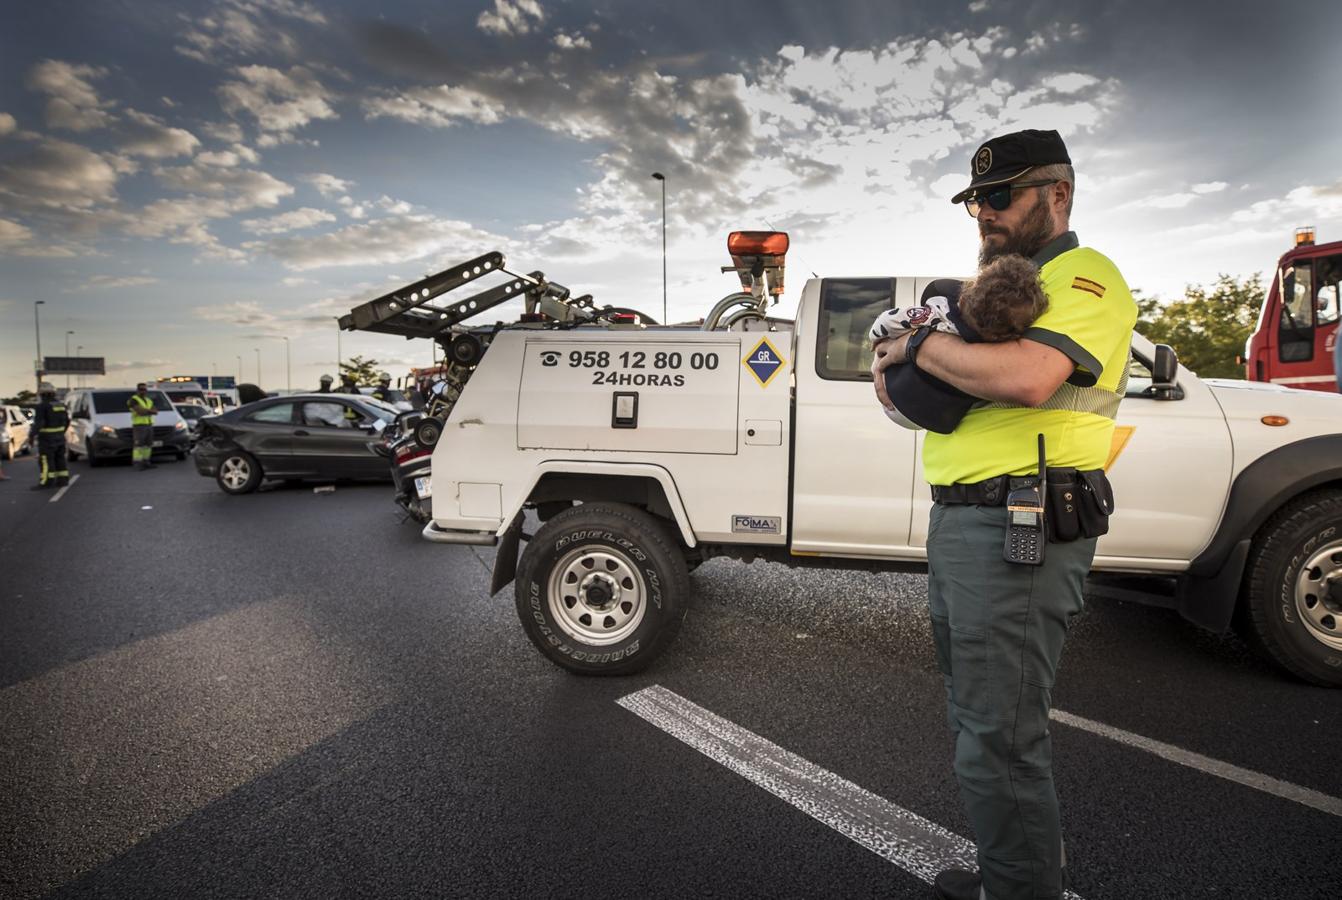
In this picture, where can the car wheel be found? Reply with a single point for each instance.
(94, 461)
(181, 455)
(1293, 589)
(601, 589)
(11, 449)
(239, 473)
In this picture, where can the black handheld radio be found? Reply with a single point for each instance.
(1025, 533)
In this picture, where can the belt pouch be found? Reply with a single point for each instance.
(1062, 515)
(1096, 503)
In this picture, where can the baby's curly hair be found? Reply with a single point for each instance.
(1003, 299)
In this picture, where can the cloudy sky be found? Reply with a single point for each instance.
(185, 183)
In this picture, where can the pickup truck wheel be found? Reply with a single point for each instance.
(601, 589)
(1294, 588)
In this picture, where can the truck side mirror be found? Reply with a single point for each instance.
(1163, 370)
(1165, 366)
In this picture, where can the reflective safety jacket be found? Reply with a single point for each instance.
(50, 420)
(141, 410)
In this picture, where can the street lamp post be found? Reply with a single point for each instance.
(37, 326)
(662, 178)
(257, 351)
(288, 371)
(67, 353)
(239, 357)
(79, 351)
(339, 356)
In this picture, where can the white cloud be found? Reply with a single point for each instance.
(73, 102)
(328, 185)
(228, 132)
(511, 17)
(1209, 187)
(571, 42)
(293, 220)
(245, 28)
(117, 281)
(17, 239)
(439, 106)
(978, 6)
(280, 102)
(122, 365)
(150, 136)
(58, 175)
(7, 124)
(386, 241)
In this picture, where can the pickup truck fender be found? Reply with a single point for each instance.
(590, 480)
(1211, 586)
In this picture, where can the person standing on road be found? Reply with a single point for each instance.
(383, 390)
(347, 384)
(999, 626)
(141, 407)
(50, 420)
(325, 384)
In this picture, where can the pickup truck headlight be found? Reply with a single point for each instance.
(106, 431)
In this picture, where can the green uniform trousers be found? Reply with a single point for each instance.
(999, 631)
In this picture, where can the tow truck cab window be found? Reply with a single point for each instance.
(1296, 329)
(848, 306)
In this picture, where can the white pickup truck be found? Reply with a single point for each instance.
(645, 450)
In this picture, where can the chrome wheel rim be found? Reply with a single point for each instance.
(597, 595)
(1318, 595)
(235, 472)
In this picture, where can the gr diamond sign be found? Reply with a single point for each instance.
(764, 362)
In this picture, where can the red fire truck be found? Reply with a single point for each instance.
(1297, 328)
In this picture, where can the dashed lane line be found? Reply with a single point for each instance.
(61, 492)
(918, 846)
(1284, 789)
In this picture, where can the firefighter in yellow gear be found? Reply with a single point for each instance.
(50, 420)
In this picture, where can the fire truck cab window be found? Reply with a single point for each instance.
(1327, 274)
(848, 306)
(1297, 313)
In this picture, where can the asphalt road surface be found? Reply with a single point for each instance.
(291, 694)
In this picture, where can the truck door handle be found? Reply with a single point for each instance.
(300, 433)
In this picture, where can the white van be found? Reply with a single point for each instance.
(100, 425)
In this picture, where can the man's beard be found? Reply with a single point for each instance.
(1027, 240)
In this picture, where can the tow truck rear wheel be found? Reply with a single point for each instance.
(602, 589)
(1294, 588)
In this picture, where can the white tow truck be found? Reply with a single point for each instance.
(644, 450)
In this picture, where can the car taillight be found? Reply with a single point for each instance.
(409, 452)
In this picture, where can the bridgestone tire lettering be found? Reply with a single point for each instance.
(648, 542)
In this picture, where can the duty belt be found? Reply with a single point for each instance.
(993, 491)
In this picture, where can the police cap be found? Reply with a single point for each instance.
(1010, 156)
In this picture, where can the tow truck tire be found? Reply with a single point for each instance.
(602, 589)
(427, 432)
(239, 473)
(1294, 588)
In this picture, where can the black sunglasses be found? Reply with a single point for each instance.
(999, 198)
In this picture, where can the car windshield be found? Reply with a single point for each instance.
(115, 401)
(192, 411)
(384, 411)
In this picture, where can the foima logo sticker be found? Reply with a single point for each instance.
(764, 362)
(757, 524)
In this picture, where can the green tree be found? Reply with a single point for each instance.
(364, 370)
(1208, 327)
(22, 398)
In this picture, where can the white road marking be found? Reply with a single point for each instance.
(918, 846)
(61, 492)
(1246, 777)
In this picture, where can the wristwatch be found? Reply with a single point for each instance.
(914, 342)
